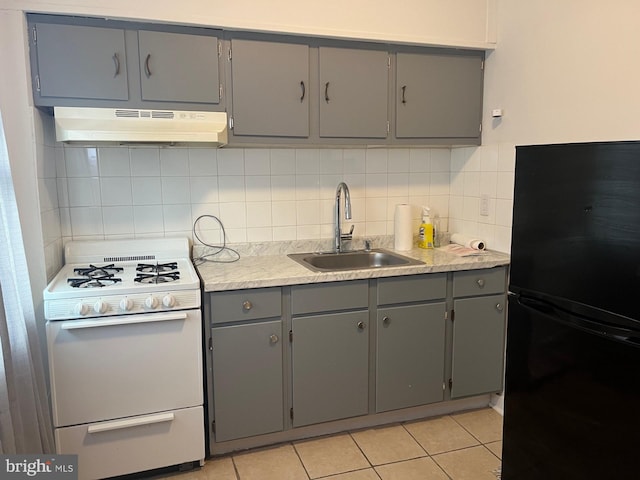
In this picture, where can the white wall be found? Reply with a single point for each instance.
(563, 71)
(437, 22)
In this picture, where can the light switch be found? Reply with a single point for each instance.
(484, 205)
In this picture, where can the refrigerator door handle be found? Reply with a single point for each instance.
(618, 333)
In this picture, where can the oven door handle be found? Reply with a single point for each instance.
(135, 422)
(123, 320)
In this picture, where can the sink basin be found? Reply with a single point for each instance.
(355, 260)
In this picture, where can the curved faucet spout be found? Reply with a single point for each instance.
(339, 236)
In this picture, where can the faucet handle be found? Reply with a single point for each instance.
(347, 236)
(367, 244)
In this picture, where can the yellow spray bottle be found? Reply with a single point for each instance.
(425, 233)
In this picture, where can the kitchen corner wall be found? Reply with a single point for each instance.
(486, 171)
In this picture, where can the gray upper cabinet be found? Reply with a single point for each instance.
(80, 62)
(90, 62)
(270, 85)
(176, 67)
(353, 93)
(438, 95)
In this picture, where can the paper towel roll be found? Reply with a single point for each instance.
(470, 242)
(403, 234)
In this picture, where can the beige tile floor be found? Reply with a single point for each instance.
(463, 446)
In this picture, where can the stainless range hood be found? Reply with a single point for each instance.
(127, 126)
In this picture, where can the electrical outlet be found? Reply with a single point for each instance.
(484, 205)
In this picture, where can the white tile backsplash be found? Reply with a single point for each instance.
(114, 162)
(145, 162)
(264, 194)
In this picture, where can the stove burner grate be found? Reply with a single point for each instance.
(94, 271)
(157, 268)
(94, 282)
(157, 278)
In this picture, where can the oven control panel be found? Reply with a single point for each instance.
(107, 305)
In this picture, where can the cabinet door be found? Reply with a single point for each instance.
(247, 380)
(330, 356)
(478, 345)
(410, 356)
(81, 62)
(176, 67)
(353, 93)
(270, 83)
(438, 96)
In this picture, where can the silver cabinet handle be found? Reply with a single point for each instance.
(480, 282)
(326, 92)
(499, 307)
(404, 89)
(361, 325)
(274, 339)
(116, 62)
(147, 70)
(386, 321)
(304, 91)
(247, 305)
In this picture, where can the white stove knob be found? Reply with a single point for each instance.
(169, 300)
(151, 302)
(100, 307)
(81, 309)
(126, 304)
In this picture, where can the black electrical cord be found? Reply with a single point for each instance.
(220, 248)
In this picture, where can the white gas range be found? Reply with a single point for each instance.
(124, 337)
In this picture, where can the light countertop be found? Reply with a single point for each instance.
(256, 271)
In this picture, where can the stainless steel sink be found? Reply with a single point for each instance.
(355, 260)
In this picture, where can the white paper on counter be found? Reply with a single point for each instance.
(403, 235)
(469, 242)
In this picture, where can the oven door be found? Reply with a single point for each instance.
(107, 368)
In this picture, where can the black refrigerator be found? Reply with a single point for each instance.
(572, 389)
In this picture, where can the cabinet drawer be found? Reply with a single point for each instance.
(240, 305)
(149, 441)
(479, 282)
(415, 288)
(329, 296)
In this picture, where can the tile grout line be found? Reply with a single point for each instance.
(425, 450)
(293, 445)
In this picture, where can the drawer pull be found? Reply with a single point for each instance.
(480, 282)
(135, 422)
(499, 307)
(247, 305)
(274, 339)
(386, 321)
(147, 70)
(361, 325)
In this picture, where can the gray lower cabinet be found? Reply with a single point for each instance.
(330, 361)
(247, 375)
(247, 363)
(410, 340)
(176, 67)
(478, 332)
(75, 61)
(438, 95)
(270, 88)
(410, 356)
(353, 92)
(329, 351)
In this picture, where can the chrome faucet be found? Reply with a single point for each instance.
(339, 236)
